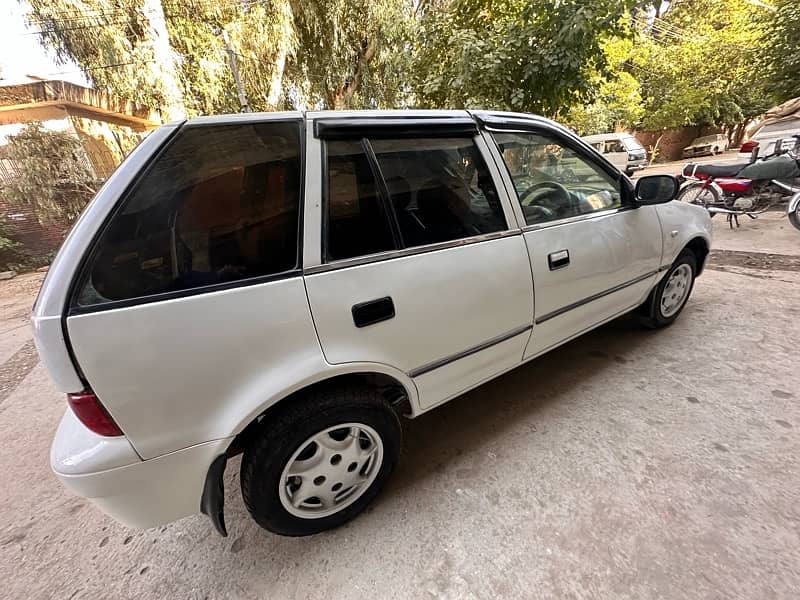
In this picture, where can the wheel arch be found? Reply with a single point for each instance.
(699, 246)
(398, 389)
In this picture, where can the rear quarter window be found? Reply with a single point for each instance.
(219, 205)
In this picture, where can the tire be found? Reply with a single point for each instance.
(695, 194)
(794, 217)
(356, 425)
(663, 306)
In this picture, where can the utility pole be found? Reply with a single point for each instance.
(232, 59)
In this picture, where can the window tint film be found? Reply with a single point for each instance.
(357, 221)
(554, 182)
(440, 189)
(219, 205)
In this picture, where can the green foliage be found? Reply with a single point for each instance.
(98, 33)
(599, 64)
(697, 64)
(350, 54)
(782, 54)
(6, 243)
(52, 175)
(332, 54)
(541, 56)
(618, 104)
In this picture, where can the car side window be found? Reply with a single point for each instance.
(425, 190)
(552, 181)
(614, 146)
(440, 189)
(358, 222)
(220, 204)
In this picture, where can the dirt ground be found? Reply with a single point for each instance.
(626, 464)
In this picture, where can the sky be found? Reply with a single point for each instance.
(21, 53)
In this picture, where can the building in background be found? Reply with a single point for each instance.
(107, 128)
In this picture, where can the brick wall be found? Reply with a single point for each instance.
(673, 142)
(36, 241)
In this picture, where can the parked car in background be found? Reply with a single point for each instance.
(620, 149)
(285, 286)
(767, 135)
(707, 145)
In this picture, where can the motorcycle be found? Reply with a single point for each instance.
(746, 188)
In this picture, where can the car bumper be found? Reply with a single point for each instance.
(140, 493)
(636, 165)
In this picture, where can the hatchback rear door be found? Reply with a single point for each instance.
(192, 292)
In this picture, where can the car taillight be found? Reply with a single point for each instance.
(91, 413)
(748, 147)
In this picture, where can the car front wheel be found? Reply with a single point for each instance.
(320, 461)
(668, 298)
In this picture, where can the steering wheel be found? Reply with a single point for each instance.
(532, 194)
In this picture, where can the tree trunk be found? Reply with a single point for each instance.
(342, 96)
(654, 151)
(738, 132)
(276, 85)
(172, 108)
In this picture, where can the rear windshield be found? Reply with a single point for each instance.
(790, 127)
(219, 205)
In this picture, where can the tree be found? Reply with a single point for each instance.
(52, 175)
(618, 103)
(335, 54)
(112, 41)
(697, 64)
(542, 56)
(782, 58)
(350, 54)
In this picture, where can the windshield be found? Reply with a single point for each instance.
(631, 144)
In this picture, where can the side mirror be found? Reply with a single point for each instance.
(656, 189)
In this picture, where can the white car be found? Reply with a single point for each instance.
(768, 135)
(621, 149)
(288, 285)
(707, 145)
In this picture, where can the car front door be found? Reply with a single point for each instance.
(594, 254)
(421, 264)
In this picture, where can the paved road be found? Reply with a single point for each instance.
(674, 167)
(626, 464)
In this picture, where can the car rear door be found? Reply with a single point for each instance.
(594, 255)
(421, 264)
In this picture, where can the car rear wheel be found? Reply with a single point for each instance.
(319, 462)
(668, 298)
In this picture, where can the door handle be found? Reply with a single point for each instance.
(558, 260)
(373, 311)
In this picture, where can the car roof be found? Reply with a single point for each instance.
(787, 125)
(598, 137)
(360, 114)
